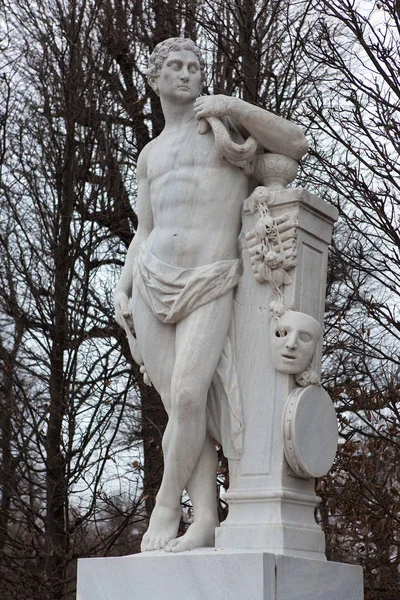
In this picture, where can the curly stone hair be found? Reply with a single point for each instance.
(161, 51)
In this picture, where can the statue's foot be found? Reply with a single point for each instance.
(199, 535)
(163, 527)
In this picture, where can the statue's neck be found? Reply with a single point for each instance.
(177, 115)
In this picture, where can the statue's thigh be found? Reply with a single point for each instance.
(200, 339)
(156, 341)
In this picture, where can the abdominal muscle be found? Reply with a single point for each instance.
(197, 215)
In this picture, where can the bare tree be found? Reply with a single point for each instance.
(81, 455)
(353, 119)
(65, 387)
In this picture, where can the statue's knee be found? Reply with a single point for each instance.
(187, 401)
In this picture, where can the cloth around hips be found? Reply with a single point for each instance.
(174, 292)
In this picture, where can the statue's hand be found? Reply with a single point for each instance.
(213, 106)
(124, 318)
(122, 309)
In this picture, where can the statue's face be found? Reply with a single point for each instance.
(294, 342)
(180, 77)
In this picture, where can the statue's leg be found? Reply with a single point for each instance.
(202, 490)
(156, 342)
(199, 341)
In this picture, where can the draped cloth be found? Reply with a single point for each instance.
(172, 293)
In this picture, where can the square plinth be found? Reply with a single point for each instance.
(215, 574)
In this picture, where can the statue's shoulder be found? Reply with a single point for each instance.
(141, 167)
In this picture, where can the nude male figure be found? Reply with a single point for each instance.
(189, 210)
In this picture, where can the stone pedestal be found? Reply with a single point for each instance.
(270, 507)
(215, 574)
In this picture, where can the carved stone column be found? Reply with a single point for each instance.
(270, 506)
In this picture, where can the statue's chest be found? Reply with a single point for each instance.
(174, 152)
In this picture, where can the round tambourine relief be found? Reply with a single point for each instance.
(310, 431)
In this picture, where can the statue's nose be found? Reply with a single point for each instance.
(291, 342)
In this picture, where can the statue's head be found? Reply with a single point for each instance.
(294, 337)
(164, 48)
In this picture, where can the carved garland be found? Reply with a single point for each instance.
(272, 244)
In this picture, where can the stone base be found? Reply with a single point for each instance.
(215, 574)
(279, 539)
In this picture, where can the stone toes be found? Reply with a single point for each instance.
(164, 542)
(168, 547)
(171, 545)
(160, 543)
(144, 544)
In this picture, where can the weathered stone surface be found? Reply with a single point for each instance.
(212, 574)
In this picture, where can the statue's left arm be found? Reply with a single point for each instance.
(272, 132)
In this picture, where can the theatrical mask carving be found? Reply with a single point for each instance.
(294, 337)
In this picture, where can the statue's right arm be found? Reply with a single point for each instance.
(123, 289)
(274, 133)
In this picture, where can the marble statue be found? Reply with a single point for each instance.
(175, 294)
(222, 298)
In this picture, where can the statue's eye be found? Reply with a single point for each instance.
(281, 333)
(304, 337)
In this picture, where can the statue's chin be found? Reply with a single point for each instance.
(290, 366)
